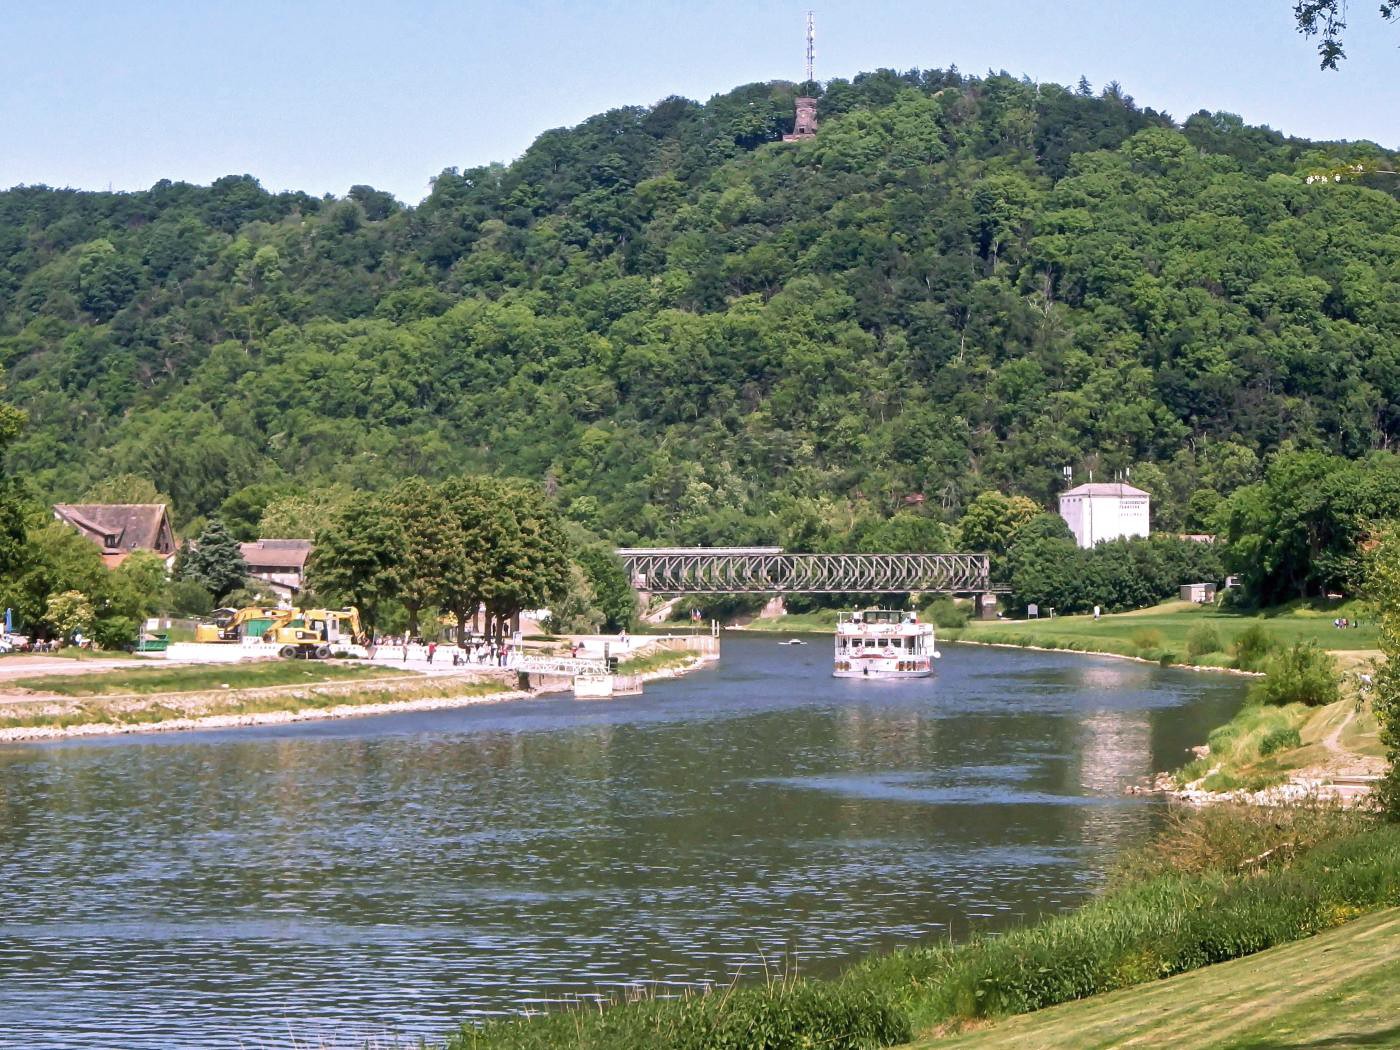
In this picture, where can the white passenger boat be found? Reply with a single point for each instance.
(883, 643)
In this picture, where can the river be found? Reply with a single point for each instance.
(321, 882)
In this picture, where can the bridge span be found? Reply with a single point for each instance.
(769, 570)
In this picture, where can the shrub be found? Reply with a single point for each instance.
(1283, 739)
(1201, 639)
(1301, 674)
(1252, 646)
(946, 614)
(1229, 837)
(1147, 638)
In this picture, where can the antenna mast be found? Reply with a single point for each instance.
(811, 49)
(804, 126)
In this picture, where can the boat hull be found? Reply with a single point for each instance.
(883, 668)
(872, 674)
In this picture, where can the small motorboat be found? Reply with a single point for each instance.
(793, 641)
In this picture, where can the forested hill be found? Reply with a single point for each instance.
(689, 331)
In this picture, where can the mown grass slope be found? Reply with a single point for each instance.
(1335, 990)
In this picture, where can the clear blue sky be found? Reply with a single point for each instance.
(313, 95)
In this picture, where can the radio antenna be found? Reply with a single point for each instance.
(811, 47)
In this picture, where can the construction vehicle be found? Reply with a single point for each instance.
(312, 633)
(230, 625)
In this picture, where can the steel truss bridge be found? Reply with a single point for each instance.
(768, 570)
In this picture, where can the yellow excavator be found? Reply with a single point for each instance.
(312, 633)
(228, 624)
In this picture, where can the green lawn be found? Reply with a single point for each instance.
(822, 620)
(1164, 627)
(1335, 990)
(146, 681)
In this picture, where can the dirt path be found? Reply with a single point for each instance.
(1335, 990)
(1333, 740)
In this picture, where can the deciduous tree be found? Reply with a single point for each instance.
(359, 558)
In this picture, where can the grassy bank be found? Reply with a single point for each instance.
(1284, 997)
(99, 712)
(147, 681)
(657, 660)
(1235, 882)
(1263, 745)
(821, 621)
(1176, 632)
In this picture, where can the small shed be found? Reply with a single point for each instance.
(1200, 593)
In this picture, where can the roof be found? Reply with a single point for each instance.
(1104, 488)
(281, 554)
(135, 525)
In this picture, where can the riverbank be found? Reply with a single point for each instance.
(53, 718)
(1286, 996)
(151, 699)
(1165, 633)
(1221, 885)
(1267, 754)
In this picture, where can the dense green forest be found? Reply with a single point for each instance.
(687, 331)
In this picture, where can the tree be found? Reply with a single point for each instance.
(214, 561)
(1384, 591)
(576, 610)
(1326, 19)
(68, 613)
(301, 516)
(990, 525)
(514, 554)
(135, 590)
(1301, 530)
(432, 535)
(359, 558)
(54, 559)
(612, 590)
(482, 527)
(124, 488)
(13, 530)
(242, 511)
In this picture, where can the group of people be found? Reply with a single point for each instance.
(1342, 623)
(481, 652)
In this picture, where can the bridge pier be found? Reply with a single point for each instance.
(987, 607)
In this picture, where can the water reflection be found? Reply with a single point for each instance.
(223, 889)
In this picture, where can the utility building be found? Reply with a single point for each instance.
(1102, 511)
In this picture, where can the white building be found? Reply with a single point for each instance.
(1102, 511)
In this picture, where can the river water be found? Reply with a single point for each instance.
(318, 882)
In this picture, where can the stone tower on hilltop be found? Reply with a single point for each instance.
(805, 124)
